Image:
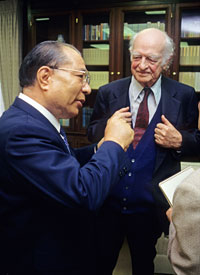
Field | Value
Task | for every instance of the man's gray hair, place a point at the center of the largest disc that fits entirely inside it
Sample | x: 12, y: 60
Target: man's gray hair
x: 46, y: 53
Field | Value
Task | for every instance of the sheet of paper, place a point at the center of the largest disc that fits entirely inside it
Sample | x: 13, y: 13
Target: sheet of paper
x: 169, y: 185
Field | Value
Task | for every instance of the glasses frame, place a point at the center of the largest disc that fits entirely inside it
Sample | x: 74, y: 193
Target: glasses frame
x: 85, y: 80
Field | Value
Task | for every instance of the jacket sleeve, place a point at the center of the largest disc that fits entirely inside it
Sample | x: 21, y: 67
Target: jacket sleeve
x: 84, y: 154
x: 36, y: 159
x: 190, y: 133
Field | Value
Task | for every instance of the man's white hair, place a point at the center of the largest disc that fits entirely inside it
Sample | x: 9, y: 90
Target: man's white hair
x: 168, y: 51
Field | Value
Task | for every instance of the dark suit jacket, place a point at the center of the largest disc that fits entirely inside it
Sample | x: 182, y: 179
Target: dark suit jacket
x: 44, y: 193
x: 179, y: 105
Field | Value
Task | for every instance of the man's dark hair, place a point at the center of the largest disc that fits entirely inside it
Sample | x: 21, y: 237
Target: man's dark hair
x: 47, y: 53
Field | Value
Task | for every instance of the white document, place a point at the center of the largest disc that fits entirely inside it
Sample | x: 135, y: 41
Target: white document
x: 169, y: 185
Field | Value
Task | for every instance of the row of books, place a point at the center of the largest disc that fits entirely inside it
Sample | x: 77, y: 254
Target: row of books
x: 190, y: 55
x: 94, y: 56
x: 96, y: 32
x: 64, y: 122
x: 86, y: 114
x: 190, y: 78
x: 185, y: 34
x: 98, y: 78
x: 132, y: 29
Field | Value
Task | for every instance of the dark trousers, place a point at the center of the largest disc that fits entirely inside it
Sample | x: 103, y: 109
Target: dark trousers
x: 81, y: 263
x: 141, y: 230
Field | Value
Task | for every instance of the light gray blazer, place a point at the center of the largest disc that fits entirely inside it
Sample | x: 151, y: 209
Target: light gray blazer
x: 184, y: 236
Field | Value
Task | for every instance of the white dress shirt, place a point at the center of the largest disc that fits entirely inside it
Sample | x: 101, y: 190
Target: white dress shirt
x: 136, y: 95
x: 42, y: 110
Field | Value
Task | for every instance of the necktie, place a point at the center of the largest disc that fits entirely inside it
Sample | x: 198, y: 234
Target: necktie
x: 142, y: 119
x: 62, y: 133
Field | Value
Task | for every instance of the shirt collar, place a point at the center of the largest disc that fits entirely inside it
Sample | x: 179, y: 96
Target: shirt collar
x: 42, y: 110
x: 137, y: 88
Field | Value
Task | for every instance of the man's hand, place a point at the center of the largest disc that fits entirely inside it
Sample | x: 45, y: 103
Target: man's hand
x: 169, y: 214
x: 118, y: 128
x: 166, y: 135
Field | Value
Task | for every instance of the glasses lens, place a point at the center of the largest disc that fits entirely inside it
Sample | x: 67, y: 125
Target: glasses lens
x: 87, y: 78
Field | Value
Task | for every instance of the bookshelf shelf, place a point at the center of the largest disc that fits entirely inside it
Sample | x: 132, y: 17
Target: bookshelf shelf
x: 96, y: 41
x: 98, y: 67
x: 191, y: 39
x: 96, y: 53
x: 187, y: 68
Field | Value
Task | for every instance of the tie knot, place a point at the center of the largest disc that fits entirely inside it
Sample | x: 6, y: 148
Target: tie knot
x: 147, y: 91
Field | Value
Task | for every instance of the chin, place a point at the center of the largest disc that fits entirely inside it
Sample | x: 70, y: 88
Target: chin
x: 74, y: 113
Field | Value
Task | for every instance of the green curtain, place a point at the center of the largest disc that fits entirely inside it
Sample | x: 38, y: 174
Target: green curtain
x: 10, y: 48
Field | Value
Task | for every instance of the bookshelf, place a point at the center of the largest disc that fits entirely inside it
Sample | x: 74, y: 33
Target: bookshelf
x: 95, y: 29
x: 96, y: 46
x: 188, y: 44
x: 51, y: 27
x: 102, y: 33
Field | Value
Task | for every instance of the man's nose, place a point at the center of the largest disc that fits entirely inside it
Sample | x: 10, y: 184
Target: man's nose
x: 143, y: 63
x: 86, y: 89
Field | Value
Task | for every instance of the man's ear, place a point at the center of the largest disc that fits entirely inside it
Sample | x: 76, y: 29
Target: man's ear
x: 167, y: 64
x: 44, y: 77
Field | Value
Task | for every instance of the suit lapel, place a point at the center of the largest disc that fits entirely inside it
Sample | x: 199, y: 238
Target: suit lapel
x: 170, y: 105
x: 170, y: 108
x: 21, y: 104
x: 121, y: 96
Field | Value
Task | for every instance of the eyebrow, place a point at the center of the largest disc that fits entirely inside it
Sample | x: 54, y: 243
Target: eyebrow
x: 148, y: 56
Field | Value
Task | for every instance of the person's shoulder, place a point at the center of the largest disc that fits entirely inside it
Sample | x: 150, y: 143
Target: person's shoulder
x: 175, y: 83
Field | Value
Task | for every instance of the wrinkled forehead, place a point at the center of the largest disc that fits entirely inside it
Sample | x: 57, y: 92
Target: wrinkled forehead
x: 149, y: 43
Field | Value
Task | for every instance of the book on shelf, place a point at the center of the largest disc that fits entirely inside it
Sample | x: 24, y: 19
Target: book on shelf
x: 169, y: 185
x: 190, y: 55
x: 94, y: 56
x: 96, y: 32
x: 98, y: 78
x: 64, y: 122
x: 86, y: 114
x: 132, y: 29
x: 187, y: 34
x: 191, y: 79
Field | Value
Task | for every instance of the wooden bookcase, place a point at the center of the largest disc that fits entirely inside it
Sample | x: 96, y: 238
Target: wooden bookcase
x: 102, y: 35
x: 187, y: 39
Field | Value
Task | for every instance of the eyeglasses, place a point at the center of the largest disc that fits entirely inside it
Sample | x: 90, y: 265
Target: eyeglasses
x: 85, y: 74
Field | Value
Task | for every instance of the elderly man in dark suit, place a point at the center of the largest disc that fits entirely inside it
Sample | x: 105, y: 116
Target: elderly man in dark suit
x: 164, y: 115
x: 46, y: 187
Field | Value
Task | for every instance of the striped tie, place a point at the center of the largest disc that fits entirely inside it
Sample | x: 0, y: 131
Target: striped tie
x: 62, y: 133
